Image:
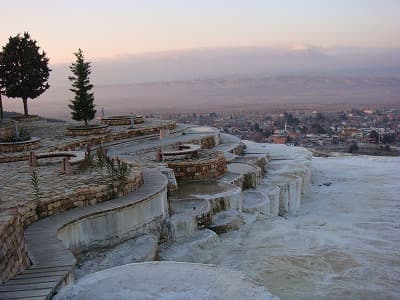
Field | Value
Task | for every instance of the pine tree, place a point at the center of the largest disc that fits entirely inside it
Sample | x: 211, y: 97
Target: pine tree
x: 24, y: 70
x: 82, y: 105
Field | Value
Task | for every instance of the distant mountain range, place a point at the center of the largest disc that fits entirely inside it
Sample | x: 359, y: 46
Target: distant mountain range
x: 239, y: 62
x: 253, y: 78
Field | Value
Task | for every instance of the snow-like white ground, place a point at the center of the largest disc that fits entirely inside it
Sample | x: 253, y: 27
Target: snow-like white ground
x: 343, y: 244
x: 165, y: 280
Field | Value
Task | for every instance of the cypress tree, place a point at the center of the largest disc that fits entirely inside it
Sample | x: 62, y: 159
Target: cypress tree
x: 82, y: 105
x: 24, y: 70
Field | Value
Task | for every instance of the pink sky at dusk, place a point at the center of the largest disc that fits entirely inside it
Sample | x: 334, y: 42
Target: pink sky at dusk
x: 106, y: 29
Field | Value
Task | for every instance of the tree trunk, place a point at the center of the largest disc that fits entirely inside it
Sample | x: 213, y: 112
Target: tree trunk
x: 1, y: 109
x: 25, y: 100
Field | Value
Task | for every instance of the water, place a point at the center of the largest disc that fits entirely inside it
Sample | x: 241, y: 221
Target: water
x: 342, y: 244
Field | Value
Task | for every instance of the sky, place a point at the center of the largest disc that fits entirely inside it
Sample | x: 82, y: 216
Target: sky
x: 107, y: 29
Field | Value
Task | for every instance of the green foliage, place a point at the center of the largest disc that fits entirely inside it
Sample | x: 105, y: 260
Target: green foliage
x: 24, y: 70
x: 291, y: 120
x: 389, y: 138
x: 35, y: 185
x: 35, y: 182
x: 82, y: 105
x: 122, y: 170
x: 101, y: 157
x: 116, y: 169
x: 88, y: 162
x: 267, y: 133
x: 317, y: 128
x: 353, y: 147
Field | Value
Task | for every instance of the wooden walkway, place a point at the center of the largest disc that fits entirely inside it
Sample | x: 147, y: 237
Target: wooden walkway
x: 52, y: 263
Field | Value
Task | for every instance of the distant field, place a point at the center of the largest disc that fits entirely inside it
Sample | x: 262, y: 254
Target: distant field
x: 233, y: 94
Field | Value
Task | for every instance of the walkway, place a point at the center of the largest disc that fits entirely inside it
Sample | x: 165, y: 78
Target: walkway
x: 52, y: 263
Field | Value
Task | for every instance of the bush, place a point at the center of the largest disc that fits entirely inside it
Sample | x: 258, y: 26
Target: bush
x: 117, y: 170
x: 353, y: 148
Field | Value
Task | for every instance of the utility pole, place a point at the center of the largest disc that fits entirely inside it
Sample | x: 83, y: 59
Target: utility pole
x: 379, y: 137
x: 161, y: 144
x: 1, y: 109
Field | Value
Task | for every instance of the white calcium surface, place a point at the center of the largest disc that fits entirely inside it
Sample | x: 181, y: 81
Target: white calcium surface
x: 343, y: 243
x: 165, y: 280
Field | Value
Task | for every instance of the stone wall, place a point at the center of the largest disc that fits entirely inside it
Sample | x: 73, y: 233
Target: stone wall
x: 207, y: 142
x: 7, y: 132
x: 96, y: 140
x: 13, y: 252
x: 88, y: 131
x: 79, y: 198
x: 238, y: 149
x: 32, y: 144
x: 30, y: 118
x: 129, y: 133
x: 210, y: 168
x: 123, y: 120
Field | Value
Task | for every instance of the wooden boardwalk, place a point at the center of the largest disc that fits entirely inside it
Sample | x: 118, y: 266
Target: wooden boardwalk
x: 52, y: 263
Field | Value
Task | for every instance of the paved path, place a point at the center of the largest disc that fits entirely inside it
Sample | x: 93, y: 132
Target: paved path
x: 53, y: 264
x: 140, y: 139
x: 142, y: 146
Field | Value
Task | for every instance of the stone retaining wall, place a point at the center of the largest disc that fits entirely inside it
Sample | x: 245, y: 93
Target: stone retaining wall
x: 13, y: 252
x: 97, y: 140
x: 130, y: 133
x: 7, y: 132
x: 30, y: 118
x: 79, y: 198
x: 89, y: 131
x: 207, y: 142
x: 214, y: 167
x: 238, y: 149
x: 20, y: 146
x: 124, y: 120
x: 13, y: 255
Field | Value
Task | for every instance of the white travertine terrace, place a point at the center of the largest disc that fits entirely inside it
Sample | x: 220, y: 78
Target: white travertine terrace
x: 150, y: 281
x: 266, y: 182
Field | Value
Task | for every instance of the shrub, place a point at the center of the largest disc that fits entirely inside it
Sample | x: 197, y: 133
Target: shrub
x: 353, y: 147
